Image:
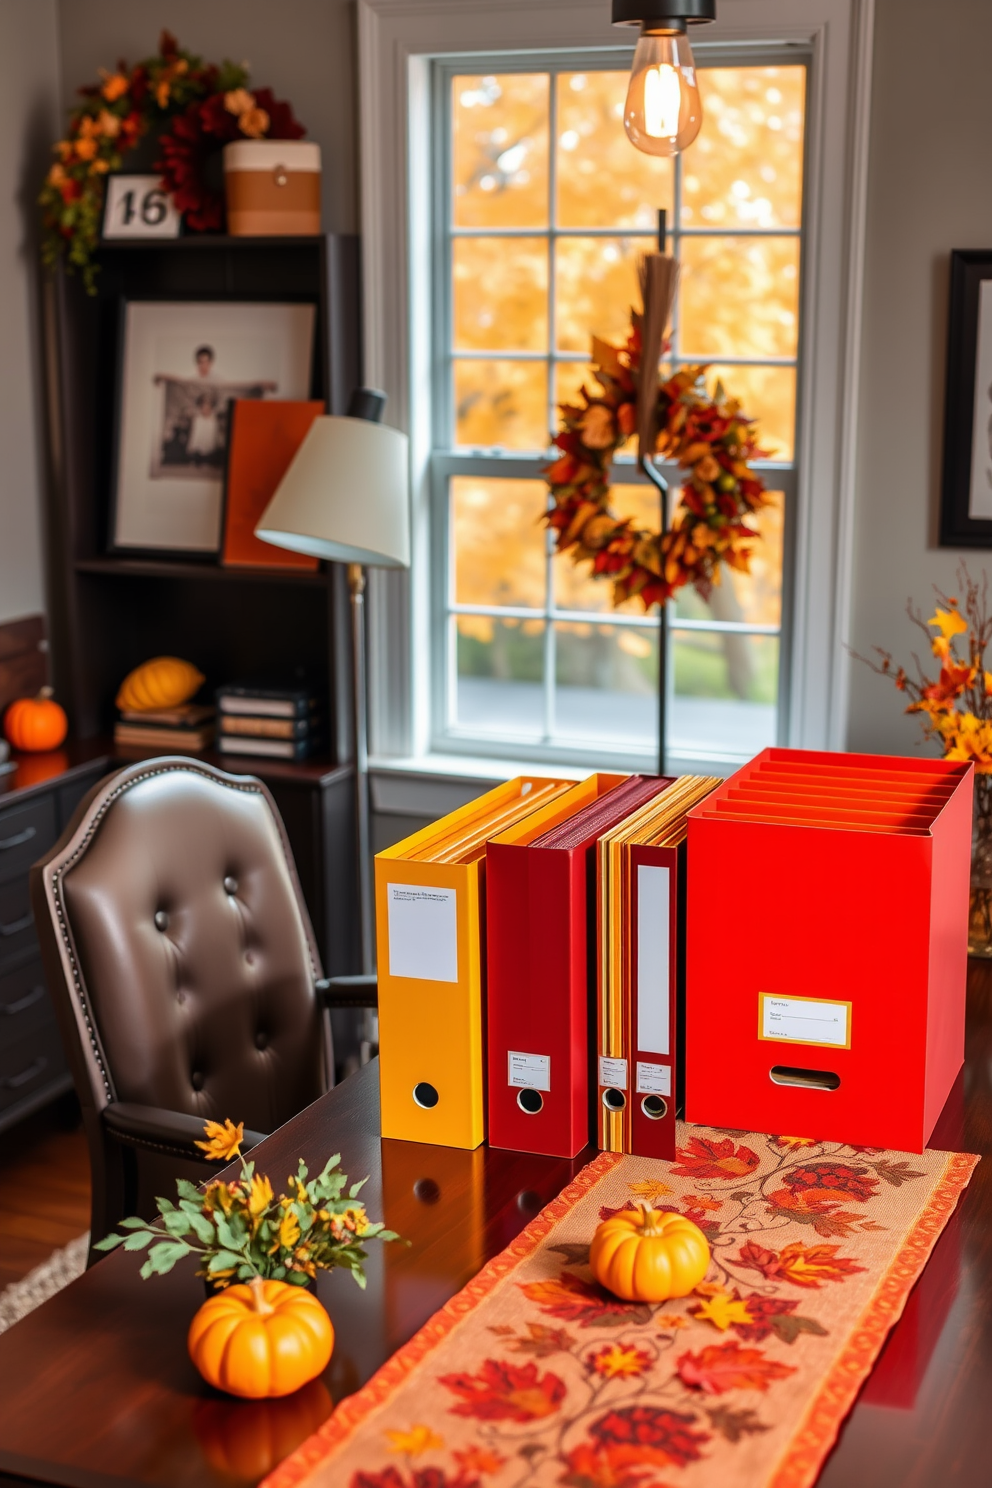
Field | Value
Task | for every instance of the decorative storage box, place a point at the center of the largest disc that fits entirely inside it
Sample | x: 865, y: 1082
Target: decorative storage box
x: 827, y: 946
x: 272, y: 188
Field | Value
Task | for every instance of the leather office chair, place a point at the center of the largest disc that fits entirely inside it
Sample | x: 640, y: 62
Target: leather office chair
x: 185, y: 974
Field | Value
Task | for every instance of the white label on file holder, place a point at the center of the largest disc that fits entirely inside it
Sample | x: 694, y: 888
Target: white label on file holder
x: 423, y: 932
x: 654, y: 1079
x: 653, y: 957
x: 613, y: 1072
x: 806, y: 1020
x: 530, y: 1071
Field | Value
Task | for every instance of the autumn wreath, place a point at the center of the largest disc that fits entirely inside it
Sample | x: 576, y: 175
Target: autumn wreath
x: 195, y: 107
x: 710, y: 439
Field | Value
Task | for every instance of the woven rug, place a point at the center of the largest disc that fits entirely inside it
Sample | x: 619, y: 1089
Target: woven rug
x: 62, y: 1266
x: 532, y: 1375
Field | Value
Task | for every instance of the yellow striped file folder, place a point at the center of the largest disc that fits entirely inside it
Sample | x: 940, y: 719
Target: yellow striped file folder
x: 429, y: 892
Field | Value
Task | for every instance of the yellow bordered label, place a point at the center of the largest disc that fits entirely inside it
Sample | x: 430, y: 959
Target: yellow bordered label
x: 819, y: 1021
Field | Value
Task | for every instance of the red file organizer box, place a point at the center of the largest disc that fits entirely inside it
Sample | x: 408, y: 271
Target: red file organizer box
x: 827, y: 946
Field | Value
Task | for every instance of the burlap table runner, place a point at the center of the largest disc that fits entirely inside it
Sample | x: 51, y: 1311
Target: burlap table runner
x: 533, y: 1376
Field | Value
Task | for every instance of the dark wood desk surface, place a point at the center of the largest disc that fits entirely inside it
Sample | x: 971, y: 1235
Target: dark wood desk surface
x: 96, y: 1388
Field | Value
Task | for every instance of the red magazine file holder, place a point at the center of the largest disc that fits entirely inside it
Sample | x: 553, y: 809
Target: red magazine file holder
x: 827, y: 938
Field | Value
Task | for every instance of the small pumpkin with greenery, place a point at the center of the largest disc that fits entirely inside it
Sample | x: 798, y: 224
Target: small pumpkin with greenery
x: 242, y: 1230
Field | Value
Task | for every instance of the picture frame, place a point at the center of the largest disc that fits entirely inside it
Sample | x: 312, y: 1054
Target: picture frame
x: 181, y: 365
x: 966, y: 487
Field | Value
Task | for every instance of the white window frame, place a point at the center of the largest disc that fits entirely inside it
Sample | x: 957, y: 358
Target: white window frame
x: 398, y: 39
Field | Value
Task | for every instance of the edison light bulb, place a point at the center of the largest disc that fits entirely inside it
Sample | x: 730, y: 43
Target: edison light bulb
x: 663, y: 112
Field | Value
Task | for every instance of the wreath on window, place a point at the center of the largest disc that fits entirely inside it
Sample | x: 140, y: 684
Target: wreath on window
x: 709, y: 438
x: 195, y: 107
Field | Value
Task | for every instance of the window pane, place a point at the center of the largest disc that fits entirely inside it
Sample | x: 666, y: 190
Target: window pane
x: 500, y: 668
x: 725, y: 691
x: 755, y: 597
x: 500, y: 294
x: 501, y: 404
x: 498, y: 542
x: 575, y: 588
x: 767, y: 394
x: 596, y: 285
x: 607, y: 684
x: 602, y: 180
x: 746, y: 168
x: 739, y: 297
x: 500, y: 150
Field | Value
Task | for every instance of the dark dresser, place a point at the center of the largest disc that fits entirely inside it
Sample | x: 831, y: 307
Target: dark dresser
x: 35, y: 806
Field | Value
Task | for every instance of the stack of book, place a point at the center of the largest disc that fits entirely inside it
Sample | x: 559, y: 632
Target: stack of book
x: 185, y: 729
x: 277, y: 722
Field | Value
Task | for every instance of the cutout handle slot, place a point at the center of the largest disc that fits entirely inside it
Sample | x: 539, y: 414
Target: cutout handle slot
x: 806, y: 1079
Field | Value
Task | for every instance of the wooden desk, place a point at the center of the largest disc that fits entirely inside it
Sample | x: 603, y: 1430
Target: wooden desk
x: 96, y: 1388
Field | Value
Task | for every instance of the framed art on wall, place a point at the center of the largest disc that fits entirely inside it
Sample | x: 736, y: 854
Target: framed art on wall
x: 181, y: 368
x: 966, y: 493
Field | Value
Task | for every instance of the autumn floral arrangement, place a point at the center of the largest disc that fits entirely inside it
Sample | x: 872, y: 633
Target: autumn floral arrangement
x: 243, y: 1232
x: 955, y: 710
x: 710, y: 439
x: 194, y: 107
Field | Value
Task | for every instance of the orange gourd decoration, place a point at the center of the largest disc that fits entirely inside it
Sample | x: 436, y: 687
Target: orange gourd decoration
x: 261, y: 1340
x: 36, y: 724
x: 649, y: 1255
x: 163, y: 682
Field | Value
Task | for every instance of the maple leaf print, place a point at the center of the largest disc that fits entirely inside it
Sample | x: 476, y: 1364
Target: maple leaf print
x: 605, y: 1212
x: 624, y: 1441
x: 649, y: 1189
x: 896, y: 1173
x: 720, y: 1367
x: 733, y: 1424
x: 814, y: 1207
x: 542, y: 1341
x: 704, y: 1202
x: 411, y: 1443
x: 722, y: 1310
x: 618, y: 1360
x: 421, y: 1477
x: 789, y: 1142
x: 576, y: 1301
x: 500, y: 1391
x: 704, y: 1158
x: 479, y: 1459
x: 812, y: 1265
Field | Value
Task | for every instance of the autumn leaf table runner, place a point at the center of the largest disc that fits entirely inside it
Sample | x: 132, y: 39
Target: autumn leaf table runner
x: 533, y: 1375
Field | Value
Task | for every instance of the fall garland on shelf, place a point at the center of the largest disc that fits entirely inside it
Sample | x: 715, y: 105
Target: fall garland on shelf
x: 711, y: 440
x: 195, y: 107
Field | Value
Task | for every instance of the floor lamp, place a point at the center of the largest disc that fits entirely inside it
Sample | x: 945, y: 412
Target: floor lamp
x: 345, y: 498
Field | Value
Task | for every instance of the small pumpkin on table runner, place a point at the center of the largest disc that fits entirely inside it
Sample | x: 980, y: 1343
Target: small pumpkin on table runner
x: 649, y: 1255
x: 265, y: 1335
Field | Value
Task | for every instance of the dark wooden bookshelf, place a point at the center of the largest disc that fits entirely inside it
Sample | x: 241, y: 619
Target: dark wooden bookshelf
x: 110, y: 611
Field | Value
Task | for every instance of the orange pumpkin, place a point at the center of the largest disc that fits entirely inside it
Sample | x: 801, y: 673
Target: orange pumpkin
x: 36, y: 724
x: 649, y: 1255
x: 247, y: 1441
x: 261, y: 1340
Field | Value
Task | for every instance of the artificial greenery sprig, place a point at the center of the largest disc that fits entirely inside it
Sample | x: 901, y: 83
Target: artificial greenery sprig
x: 241, y: 1230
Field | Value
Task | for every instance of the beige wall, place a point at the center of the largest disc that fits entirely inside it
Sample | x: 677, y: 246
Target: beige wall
x: 303, y: 49
x: 930, y: 190
x: 28, y: 119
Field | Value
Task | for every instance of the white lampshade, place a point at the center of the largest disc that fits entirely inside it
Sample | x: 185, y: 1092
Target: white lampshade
x: 345, y: 496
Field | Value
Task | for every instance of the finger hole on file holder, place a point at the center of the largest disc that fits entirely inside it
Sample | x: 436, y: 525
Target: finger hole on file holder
x: 614, y: 1100
x: 654, y: 1107
x: 425, y: 1095
x: 805, y: 1079
x: 530, y: 1101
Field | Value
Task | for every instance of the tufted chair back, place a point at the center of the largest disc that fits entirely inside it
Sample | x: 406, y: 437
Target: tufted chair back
x: 180, y: 952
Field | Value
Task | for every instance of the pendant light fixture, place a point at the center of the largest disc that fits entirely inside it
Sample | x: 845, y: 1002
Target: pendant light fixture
x: 663, y: 112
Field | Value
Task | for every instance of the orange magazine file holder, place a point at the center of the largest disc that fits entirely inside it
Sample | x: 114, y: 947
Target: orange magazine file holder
x: 265, y: 435
x: 827, y: 943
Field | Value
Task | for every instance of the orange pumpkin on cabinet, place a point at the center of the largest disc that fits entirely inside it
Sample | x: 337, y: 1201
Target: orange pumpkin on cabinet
x: 36, y: 724
x: 261, y: 1340
x: 649, y: 1255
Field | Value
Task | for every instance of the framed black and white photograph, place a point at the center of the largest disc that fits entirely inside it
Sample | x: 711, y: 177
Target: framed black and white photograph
x: 966, y: 493
x: 182, y: 366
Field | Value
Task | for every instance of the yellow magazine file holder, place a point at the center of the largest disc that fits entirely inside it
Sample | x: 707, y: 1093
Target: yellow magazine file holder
x: 429, y: 891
